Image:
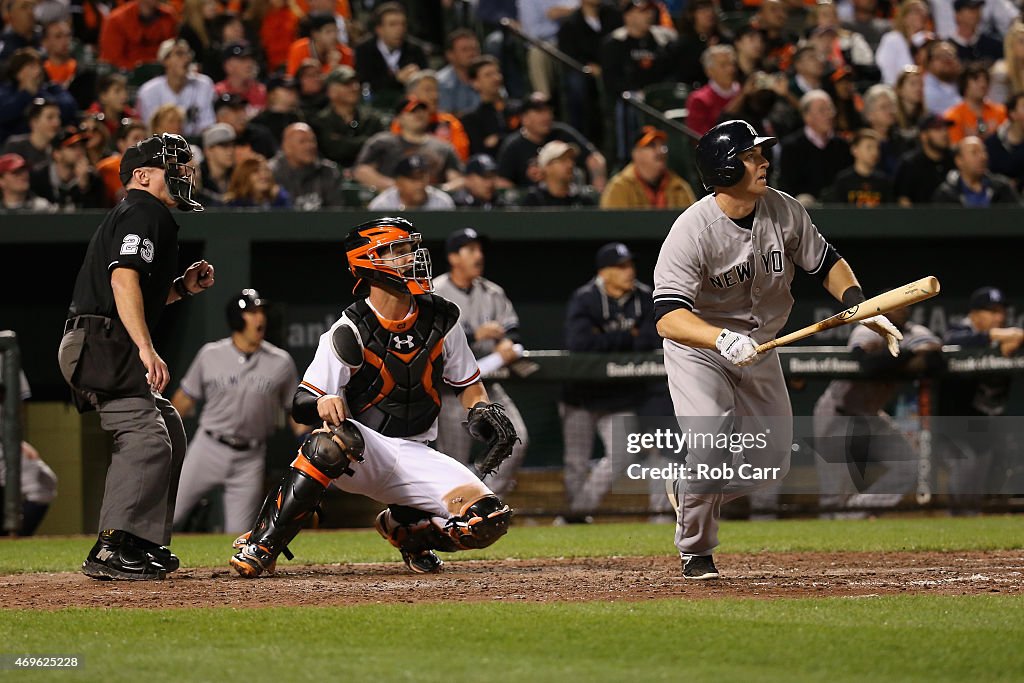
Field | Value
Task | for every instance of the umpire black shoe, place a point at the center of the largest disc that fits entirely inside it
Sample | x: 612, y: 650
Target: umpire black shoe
x: 114, y: 556
x: 161, y: 554
x: 699, y: 567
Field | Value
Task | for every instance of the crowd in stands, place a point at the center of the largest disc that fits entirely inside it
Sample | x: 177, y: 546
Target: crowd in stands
x: 309, y: 104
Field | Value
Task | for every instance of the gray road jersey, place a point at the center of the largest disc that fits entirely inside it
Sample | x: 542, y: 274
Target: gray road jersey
x: 735, y: 278
x: 484, y: 302
x: 243, y: 397
x: 861, y: 397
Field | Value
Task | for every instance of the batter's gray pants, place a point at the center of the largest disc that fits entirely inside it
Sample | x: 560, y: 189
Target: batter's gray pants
x: 705, y: 385
x: 210, y: 463
x: 453, y: 439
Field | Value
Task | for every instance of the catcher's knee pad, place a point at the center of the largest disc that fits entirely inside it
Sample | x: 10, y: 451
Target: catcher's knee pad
x: 330, y: 452
x: 483, y: 523
x: 412, y: 534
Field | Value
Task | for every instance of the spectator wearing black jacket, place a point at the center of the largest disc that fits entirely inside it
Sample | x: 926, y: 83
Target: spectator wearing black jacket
x: 386, y: 60
x: 976, y: 455
x: 971, y: 184
x: 580, y: 37
x: 814, y: 156
x: 611, y: 313
x: 921, y: 171
x: 492, y: 120
x: 69, y: 181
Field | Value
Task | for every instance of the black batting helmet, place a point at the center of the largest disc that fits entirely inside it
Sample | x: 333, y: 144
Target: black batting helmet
x: 718, y: 152
x: 245, y: 300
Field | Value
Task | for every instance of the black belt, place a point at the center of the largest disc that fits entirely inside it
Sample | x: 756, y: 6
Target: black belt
x: 235, y: 443
x: 81, y: 321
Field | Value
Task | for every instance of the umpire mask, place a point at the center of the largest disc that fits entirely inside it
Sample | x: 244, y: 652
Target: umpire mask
x: 171, y: 153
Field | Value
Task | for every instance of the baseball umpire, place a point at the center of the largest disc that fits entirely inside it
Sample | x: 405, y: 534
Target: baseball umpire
x: 722, y: 282
x: 244, y: 382
x: 373, y: 385
x: 108, y: 359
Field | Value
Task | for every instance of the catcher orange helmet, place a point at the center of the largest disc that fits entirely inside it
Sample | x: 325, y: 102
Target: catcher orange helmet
x: 387, y: 251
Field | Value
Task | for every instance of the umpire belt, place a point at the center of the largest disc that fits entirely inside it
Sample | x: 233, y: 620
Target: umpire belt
x: 88, y: 321
x: 235, y: 443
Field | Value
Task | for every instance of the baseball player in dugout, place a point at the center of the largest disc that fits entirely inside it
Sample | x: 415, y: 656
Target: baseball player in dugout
x: 108, y: 359
x: 722, y: 287
x: 491, y: 325
x: 373, y: 389
x: 245, y: 384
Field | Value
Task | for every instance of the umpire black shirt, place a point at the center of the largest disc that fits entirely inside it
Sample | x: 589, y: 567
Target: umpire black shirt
x: 139, y: 233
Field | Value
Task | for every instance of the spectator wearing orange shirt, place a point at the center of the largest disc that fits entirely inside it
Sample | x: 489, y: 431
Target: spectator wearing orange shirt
x: 128, y: 134
x: 60, y: 66
x: 322, y: 46
x: 132, y: 33
x: 423, y: 86
x: 975, y: 114
x: 279, y: 26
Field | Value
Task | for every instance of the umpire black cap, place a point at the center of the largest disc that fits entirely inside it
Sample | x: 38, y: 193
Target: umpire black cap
x: 246, y: 300
x: 718, y: 152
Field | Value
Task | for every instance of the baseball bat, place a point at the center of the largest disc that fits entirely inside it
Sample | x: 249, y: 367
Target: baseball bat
x: 908, y: 294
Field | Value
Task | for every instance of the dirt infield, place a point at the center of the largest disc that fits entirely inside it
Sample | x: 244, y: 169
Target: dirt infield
x: 767, y: 575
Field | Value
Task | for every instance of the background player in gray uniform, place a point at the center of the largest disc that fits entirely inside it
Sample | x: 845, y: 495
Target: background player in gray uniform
x: 852, y: 429
x: 722, y: 286
x: 492, y: 328
x: 246, y: 386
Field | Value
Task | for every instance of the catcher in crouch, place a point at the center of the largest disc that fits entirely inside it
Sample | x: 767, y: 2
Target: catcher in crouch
x: 372, y: 386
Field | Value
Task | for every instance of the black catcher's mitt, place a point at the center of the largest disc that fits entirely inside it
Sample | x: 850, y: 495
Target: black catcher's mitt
x: 487, y: 422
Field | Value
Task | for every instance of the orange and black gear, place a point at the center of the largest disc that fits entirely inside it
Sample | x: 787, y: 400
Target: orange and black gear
x: 374, y: 255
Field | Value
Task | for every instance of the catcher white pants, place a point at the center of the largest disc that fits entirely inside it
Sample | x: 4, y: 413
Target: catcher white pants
x: 401, y: 472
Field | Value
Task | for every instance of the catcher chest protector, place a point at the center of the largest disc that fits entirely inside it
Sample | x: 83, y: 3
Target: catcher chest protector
x: 394, y: 391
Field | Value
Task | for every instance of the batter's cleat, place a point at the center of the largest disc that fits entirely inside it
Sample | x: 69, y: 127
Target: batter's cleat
x: 114, y: 556
x: 699, y: 567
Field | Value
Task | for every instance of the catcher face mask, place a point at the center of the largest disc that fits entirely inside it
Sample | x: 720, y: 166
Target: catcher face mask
x: 407, y: 260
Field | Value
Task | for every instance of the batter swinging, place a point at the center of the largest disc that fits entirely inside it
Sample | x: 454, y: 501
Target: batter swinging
x: 722, y: 286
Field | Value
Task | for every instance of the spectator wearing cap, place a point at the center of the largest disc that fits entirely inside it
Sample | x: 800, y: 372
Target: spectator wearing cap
x: 218, y: 163
x: 343, y: 126
x: 699, y: 30
x: 556, y: 162
x: 133, y: 33
x: 480, y: 185
x: 862, y: 185
x: 310, y: 85
x: 1006, y: 147
x: 112, y: 102
x: 519, y: 150
x: 894, y: 52
x: 455, y: 87
x: 812, y: 157
x: 250, y: 136
x: 15, y: 194
x: 922, y: 170
x: 386, y: 59
x: 282, y: 109
x: 492, y: 120
x: 128, y: 135
x: 707, y: 103
x: 69, y: 181
x: 24, y: 87
x: 253, y: 186
x: 580, y: 37
x: 613, y: 312
x: 322, y: 46
x: 411, y: 190
x: 647, y: 182
x: 864, y: 19
x: 443, y: 125
x: 20, y: 30
x: 975, y: 114
x: 972, y: 43
x: 975, y: 465
x: 179, y: 85
x: 379, y: 158
x: 240, y: 71
x: 971, y: 184
x: 749, y: 45
x: 849, y: 103
x: 313, y: 183
x: 44, y: 125
x: 942, y: 68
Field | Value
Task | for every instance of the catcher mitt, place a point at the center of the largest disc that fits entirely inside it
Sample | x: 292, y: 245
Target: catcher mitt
x: 488, y: 423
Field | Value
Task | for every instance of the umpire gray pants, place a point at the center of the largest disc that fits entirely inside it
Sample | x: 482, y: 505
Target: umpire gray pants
x: 453, y: 440
x: 705, y: 385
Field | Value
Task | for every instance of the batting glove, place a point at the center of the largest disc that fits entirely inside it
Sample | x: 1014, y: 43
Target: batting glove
x: 881, y: 325
x: 738, y: 349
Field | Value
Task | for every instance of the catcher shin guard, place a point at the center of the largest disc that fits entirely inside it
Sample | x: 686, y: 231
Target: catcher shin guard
x: 483, y: 523
x: 324, y: 456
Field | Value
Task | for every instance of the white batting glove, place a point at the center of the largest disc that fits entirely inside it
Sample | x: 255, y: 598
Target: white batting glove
x: 738, y: 349
x: 881, y: 325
